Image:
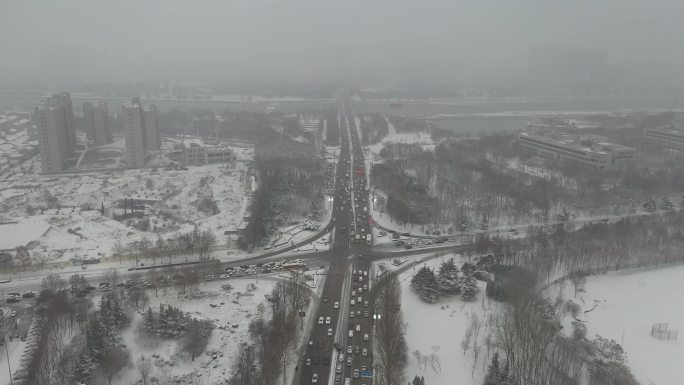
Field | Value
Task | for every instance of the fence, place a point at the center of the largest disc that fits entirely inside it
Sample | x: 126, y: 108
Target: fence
x: 660, y: 331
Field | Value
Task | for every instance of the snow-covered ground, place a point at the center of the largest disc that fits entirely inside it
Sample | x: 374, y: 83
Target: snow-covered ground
x: 624, y: 306
x: 69, y: 205
x: 232, y: 312
x: 436, y: 331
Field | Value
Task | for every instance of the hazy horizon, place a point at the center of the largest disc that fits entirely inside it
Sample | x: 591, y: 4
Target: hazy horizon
x: 630, y: 42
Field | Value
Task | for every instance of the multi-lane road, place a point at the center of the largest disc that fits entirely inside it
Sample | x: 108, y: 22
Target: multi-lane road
x: 339, y: 345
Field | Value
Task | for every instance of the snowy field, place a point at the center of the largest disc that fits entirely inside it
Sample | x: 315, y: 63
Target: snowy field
x: 231, y: 311
x: 69, y: 206
x: 436, y: 331
x: 624, y: 307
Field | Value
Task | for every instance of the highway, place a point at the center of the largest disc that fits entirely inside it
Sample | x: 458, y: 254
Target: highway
x: 340, y: 343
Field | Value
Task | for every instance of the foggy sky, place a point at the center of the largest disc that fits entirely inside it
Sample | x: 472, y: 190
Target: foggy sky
x: 224, y: 40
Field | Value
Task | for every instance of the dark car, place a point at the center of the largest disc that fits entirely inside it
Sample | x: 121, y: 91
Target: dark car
x: 326, y: 361
x: 29, y: 294
x: 315, y: 360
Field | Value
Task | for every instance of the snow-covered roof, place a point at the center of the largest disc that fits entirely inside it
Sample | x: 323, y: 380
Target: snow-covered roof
x: 195, y: 142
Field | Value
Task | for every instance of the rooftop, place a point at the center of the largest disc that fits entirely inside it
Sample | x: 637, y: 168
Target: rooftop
x: 195, y: 142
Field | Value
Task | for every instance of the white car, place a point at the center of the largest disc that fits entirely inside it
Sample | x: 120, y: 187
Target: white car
x: 365, y: 337
x: 351, y: 314
x: 364, y: 352
x: 358, y: 327
x: 330, y: 332
x: 314, y: 379
x: 353, y: 302
x: 365, y: 303
x: 327, y: 320
x: 336, y: 305
x: 321, y: 320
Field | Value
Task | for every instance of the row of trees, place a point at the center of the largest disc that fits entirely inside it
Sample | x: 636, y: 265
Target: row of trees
x: 292, y: 184
x: 196, y: 242
x: 598, y: 247
x: 73, y: 343
x: 528, y: 332
x: 448, y: 281
x: 78, y: 345
x: 390, y: 330
x: 374, y: 128
x: 171, y: 322
x: 408, y: 200
x: 273, y: 340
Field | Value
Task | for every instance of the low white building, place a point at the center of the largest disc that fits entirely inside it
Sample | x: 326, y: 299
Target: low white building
x: 602, y: 156
x: 668, y: 137
x: 197, y: 153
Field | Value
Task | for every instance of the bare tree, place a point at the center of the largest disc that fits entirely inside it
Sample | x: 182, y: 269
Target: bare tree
x: 22, y: 257
x: 113, y: 362
x: 119, y: 249
x: 578, y: 280
x: 52, y: 283
x: 297, y: 294
x: 155, y: 279
x: 112, y: 277
x: 206, y: 240
x: 144, y: 366
x: 190, y: 279
x: 137, y: 297
x: 245, y: 366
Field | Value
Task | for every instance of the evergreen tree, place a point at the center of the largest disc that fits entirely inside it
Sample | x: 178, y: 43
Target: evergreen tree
x: 468, y: 287
x: 447, y: 279
x: 425, y: 284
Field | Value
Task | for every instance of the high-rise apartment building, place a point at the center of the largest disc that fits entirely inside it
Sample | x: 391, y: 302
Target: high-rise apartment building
x: 96, y: 119
x: 62, y: 103
x: 151, y: 120
x: 54, y: 120
x: 141, y: 132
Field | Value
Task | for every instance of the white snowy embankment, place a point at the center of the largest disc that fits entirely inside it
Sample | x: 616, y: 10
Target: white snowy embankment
x: 623, y: 307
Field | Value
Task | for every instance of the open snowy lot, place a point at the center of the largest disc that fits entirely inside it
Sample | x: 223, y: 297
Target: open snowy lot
x: 434, y: 333
x: 625, y: 307
x: 213, y: 197
x: 231, y: 311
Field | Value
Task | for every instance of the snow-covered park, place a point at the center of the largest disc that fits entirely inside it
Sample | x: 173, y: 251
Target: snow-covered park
x: 624, y: 307
x: 435, y: 332
x: 230, y: 310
